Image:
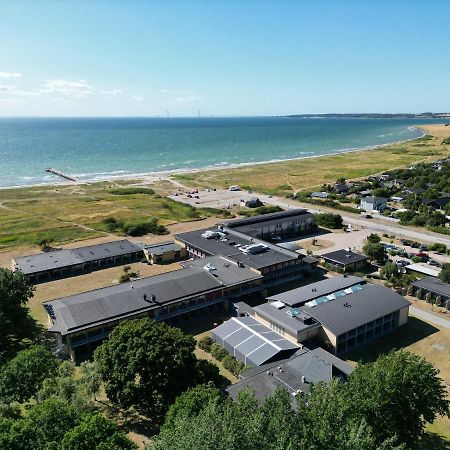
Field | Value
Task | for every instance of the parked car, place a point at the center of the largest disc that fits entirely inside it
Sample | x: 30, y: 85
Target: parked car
x: 422, y: 255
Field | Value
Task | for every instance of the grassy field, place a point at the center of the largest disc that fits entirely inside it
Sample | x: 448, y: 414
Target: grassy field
x: 68, y: 213
x: 432, y: 343
x: 287, y: 177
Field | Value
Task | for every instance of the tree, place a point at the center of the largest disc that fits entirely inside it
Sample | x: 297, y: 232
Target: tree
x: 373, y: 238
x: 191, y: 402
x: 15, y: 322
x: 44, y: 243
x: 23, y: 376
x: 381, y: 192
x: 397, y: 395
x: 96, y: 432
x: 146, y: 365
x: 445, y: 273
x: 45, y: 424
x: 389, y: 271
x: 374, y: 251
x: 329, y: 220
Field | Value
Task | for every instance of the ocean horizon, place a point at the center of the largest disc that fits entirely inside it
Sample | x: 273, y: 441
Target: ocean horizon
x: 94, y: 149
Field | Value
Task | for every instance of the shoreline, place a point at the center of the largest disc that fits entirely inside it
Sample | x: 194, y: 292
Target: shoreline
x: 150, y: 177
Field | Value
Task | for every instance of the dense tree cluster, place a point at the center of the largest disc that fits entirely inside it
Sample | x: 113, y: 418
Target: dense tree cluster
x: 147, y: 364
x: 384, y: 405
x: 57, y: 410
x: 329, y: 220
x: 17, y: 327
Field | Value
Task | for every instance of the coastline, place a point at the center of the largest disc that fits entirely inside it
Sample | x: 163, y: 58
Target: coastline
x: 150, y: 177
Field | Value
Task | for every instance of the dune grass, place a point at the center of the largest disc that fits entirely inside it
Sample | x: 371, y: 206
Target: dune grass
x: 286, y: 177
x: 72, y: 212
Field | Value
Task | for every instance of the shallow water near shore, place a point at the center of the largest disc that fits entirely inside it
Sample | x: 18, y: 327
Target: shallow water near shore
x: 91, y: 149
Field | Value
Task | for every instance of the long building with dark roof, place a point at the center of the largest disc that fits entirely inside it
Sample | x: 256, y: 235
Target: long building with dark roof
x: 62, y: 263
x: 82, y: 321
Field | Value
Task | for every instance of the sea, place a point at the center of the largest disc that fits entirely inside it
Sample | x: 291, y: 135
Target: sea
x: 92, y: 149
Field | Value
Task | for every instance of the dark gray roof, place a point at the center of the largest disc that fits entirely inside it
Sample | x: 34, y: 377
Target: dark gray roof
x: 344, y: 257
x: 440, y: 202
x: 287, y: 374
x: 267, y: 219
x: 353, y: 310
x: 227, y: 271
x: 230, y: 249
x: 315, y: 290
x: 250, y: 225
x: 434, y: 285
x: 104, y: 305
x: 161, y: 247
x: 57, y: 259
x: 292, y: 324
x: 251, y: 342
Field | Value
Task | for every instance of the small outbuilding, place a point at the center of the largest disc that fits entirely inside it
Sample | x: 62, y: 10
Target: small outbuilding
x: 345, y: 260
x: 164, y: 252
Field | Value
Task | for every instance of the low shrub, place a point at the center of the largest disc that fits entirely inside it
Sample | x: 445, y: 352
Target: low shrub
x: 205, y: 343
x: 218, y: 352
x: 132, y: 190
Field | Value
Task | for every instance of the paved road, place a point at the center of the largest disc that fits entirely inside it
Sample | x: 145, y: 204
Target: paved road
x: 432, y: 318
x: 377, y: 225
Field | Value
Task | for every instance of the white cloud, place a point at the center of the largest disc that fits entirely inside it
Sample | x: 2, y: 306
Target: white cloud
x: 10, y: 75
x: 75, y: 89
x: 177, y: 92
x: 112, y: 92
x: 7, y: 88
x: 137, y: 98
x: 188, y: 100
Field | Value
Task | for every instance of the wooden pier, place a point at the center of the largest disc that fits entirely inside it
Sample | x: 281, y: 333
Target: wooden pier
x: 60, y: 174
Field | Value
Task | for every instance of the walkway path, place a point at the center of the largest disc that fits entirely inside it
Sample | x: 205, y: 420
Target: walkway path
x: 432, y: 318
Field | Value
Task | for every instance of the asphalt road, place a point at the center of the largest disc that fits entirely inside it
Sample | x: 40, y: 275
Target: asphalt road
x: 377, y: 225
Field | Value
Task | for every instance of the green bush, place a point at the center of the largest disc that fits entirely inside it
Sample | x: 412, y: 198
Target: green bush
x: 218, y: 352
x: 132, y: 190
x: 329, y: 220
x: 231, y: 364
x: 205, y: 343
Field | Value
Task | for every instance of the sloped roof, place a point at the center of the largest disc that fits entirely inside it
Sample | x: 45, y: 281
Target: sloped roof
x: 251, y: 342
x: 57, y: 259
x: 315, y: 290
x: 353, y: 310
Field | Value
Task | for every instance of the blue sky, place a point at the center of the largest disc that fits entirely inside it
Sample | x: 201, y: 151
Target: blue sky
x: 142, y: 58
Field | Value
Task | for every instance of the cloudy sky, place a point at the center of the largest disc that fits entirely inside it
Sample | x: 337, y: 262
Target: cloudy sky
x: 147, y: 58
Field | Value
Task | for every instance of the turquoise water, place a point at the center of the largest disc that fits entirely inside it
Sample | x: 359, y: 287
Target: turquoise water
x: 98, y: 148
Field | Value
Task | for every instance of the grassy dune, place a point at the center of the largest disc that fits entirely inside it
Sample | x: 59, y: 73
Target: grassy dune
x: 72, y: 212
x: 286, y: 177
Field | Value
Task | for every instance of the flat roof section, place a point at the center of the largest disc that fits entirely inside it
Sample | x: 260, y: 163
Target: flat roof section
x: 353, y: 310
x: 292, y: 323
x: 251, y: 342
x: 344, y: 257
x: 229, y: 247
x: 161, y: 247
x: 315, y: 290
x: 249, y: 225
